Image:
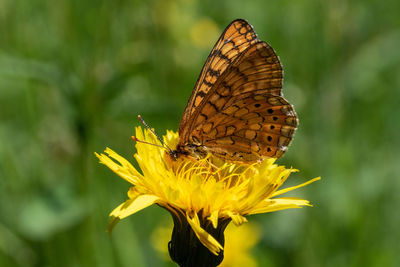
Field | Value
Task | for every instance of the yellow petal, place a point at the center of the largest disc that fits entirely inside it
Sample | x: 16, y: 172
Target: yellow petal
x: 214, y: 218
x: 132, y: 206
x: 237, y: 219
x: 205, y: 238
x: 270, y: 205
x: 124, y: 169
x: 295, y: 187
x: 133, y: 192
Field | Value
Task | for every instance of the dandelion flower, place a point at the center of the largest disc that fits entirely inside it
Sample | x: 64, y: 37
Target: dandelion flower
x: 202, y: 196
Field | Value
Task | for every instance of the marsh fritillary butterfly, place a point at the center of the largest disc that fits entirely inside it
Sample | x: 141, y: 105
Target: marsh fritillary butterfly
x: 236, y: 110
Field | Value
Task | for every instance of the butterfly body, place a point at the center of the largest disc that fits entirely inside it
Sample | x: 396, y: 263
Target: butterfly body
x: 189, y: 150
x: 236, y: 110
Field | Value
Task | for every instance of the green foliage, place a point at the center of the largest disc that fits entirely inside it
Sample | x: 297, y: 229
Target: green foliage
x: 75, y: 74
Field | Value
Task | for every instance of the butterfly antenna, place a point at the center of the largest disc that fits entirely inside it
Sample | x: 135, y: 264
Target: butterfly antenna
x: 151, y: 130
x: 144, y: 142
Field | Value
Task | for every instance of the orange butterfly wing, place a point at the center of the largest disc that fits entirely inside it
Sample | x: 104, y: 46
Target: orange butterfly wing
x: 241, y: 114
x: 244, y: 117
x: 237, y: 37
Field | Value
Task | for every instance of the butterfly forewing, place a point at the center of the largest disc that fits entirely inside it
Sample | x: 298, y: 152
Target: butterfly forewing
x: 236, y: 110
x: 237, y: 37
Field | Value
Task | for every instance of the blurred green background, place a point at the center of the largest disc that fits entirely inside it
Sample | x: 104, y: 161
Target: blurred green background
x: 75, y: 74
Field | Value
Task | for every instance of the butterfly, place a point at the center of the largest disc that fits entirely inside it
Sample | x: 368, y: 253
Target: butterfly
x: 236, y: 110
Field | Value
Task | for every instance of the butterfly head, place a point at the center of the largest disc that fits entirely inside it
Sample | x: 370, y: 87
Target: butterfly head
x: 189, y: 150
x: 173, y: 154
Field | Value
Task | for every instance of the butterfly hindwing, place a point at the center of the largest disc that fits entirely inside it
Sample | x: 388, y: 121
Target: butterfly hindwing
x: 254, y: 127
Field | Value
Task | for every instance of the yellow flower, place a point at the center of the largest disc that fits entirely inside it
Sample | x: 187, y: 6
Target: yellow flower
x: 202, y: 196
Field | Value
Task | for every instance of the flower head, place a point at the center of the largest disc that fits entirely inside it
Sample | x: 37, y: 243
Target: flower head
x: 203, y: 196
